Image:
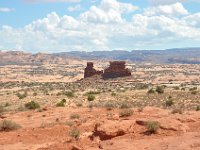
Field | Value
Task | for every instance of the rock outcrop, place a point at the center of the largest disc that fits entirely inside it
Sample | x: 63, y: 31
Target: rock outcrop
x: 90, y: 71
x: 116, y: 69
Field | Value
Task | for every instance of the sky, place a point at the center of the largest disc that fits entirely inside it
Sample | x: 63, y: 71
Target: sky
x: 96, y: 25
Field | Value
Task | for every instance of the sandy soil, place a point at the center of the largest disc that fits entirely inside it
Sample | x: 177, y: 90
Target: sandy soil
x: 49, y: 129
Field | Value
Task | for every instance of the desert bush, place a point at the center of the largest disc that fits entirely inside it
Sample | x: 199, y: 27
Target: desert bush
x: 8, y: 125
x: 70, y: 94
x: 126, y: 113
x: 22, y: 95
x: 79, y: 104
x: 177, y: 111
x: 58, y: 94
x: 110, y: 105
x: 113, y: 94
x: 198, y: 108
x: 74, y: 116
x: 75, y: 133
x: 152, y: 126
x: 125, y: 105
x: 176, y: 88
x: 2, y: 109
x: 160, y: 89
x: 7, y: 104
x: 21, y: 108
x: 61, y: 103
x: 151, y: 91
x: 91, y: 97
x: 35, y: 94
x: 193, y: 89
x: 193, y: 92
x: 32, y: 105
x: 140, y: 109
x: 69, y: 123
x: 169, y: 102
x: 92, y: 93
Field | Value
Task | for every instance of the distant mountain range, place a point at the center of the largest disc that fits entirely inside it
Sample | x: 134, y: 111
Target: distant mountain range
x: 169, y: 56
x: 181, y: 55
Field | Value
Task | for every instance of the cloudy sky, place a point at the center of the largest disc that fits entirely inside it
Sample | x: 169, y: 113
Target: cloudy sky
x: 88, y: 25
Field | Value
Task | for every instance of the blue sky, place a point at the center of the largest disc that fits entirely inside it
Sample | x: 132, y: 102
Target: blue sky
x: 88, y: 25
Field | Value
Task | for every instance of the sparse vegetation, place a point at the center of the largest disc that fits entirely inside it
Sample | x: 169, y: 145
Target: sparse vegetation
x: 91, y: 97
x: 70, y: 94
x: 151, y: 91
x: 177, y: 111
x: 152, y: 126
x: 69, y: 123
x: 8, y: 125
x: 198, y: 108
x: 113, y: 94
x: 126, y: 113
x: 61, y: 103
x: 32, y: 105
x: 75, y: 133
x: 74, y: 116
x: 160, y: 89
x: 125, y: 105
x: 169, y: 102
x: 22, y: 95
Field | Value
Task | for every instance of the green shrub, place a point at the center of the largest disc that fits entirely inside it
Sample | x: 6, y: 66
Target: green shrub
x: 8, y: 125
x: 75, y: 133
x: 126, y: 113
x: 69, y: 123
x: 34, y: 94
x: 125, y: 105
x: 176, y: 88
x: 110, y: 105
x: 22, y: 95
x: 169, y: 102
x: 92, y: 93
x: 32, y: 105
x: 160, y: 89
x: 61, y: 103
x: 74, y: 116
x: 113, y: 94
x: 2, y: 109
x: 91, y: 97
x: 177, y: 111
x: 7, y: 104
x: 193, y: 92
x: 198, y: 108
x: 152, y: 126
x: 193, y: 89
x: 79, y: 104
x: 70, y: 94
x: 151, y: 91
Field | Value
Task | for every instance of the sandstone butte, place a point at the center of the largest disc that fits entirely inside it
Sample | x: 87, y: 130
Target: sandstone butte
x: 116, y: 69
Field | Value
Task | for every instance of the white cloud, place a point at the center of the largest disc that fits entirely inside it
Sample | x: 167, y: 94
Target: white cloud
x: 108, y: 12
x: 176, y: 9
x: 51, y: 1
x: 165, y: 2
x: 105, y: 27
x: 7, y: 9
x: 169, y: 2
x: 74, y: 8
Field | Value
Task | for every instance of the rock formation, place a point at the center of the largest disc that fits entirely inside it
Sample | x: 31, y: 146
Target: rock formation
x: 90, y: 71
x: 116, y: 69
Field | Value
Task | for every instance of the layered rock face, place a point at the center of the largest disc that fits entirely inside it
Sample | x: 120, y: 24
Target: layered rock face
x: 116, y: 69
x: 90, y: 71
